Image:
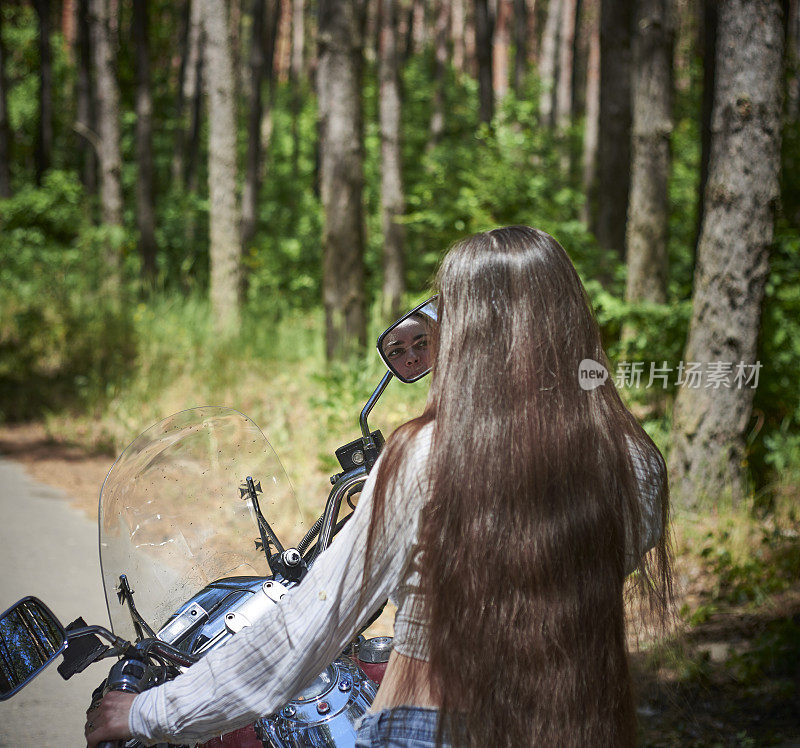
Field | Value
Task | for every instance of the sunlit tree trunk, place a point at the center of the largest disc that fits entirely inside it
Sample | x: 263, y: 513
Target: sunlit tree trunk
x: 458, y: 22
x: 224, y: 246
x: 590, y: 130
x: 707, y: 461
x: 392, y: 198
x: 44, y: 132
x: 145, y: 209
x: 484, y: 35
x: 548, y: 62
x: 5, y: 130
x: 341, y: 174
x: 566, y: 49
x: 109, y: 154
x: 648, y: 209
x: 500, y: 50
x: 614, y: 143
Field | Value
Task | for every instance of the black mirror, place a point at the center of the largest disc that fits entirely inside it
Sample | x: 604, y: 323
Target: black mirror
x: 405, y: 346
x: 31, y: 637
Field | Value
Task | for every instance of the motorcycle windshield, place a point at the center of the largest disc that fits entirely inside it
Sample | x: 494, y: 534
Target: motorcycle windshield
x: 172, y: 518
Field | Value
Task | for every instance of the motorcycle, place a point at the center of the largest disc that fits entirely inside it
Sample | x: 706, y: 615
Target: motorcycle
x: 180, y: 579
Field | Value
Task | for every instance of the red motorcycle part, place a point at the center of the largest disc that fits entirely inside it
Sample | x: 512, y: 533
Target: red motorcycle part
x: 244, y: 737
x: 373, y: 670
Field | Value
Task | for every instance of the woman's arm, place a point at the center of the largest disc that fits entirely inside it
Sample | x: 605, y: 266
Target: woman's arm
x: 264, y: 665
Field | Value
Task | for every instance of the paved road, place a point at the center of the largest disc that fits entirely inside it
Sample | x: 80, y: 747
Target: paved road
x: 48, y: 549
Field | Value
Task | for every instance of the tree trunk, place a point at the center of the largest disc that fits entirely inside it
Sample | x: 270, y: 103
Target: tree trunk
x: 500, y: 50
x: 548, y: 62
x: 85, y: 110
x: 484, y: 33
x: 709, y: 54
x: 107, y: 116
x: 458, y: 23
x: 793, y: 59
x: 295, y: 74
x: 590, y: 131
x: 179, y: 149
x: 439, y: 72
x: 614, y: 151
x: 145, y: 209
x: 269, y: 40
x: 708, y: 456
x: 520, y: 43
x: 566, y: 47
x: 252, y: 181
x: 193, y: 86
x: 44, y: 132
x: 648, y: 210
x: 341, y: 175
x: 392, y: 199
x: 5, y: 130
x: 224, y: 247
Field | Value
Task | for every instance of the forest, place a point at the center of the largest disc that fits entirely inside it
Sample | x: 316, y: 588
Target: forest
x: 225, y: 202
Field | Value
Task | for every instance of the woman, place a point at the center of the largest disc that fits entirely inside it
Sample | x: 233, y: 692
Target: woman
x: 505, y: 519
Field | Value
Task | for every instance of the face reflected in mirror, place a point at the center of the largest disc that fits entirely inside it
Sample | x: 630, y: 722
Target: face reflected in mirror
x: 406, y: 347
x: 30, y: 638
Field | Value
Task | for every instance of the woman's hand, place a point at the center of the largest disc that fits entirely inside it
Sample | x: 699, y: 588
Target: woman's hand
x: 109, y: 721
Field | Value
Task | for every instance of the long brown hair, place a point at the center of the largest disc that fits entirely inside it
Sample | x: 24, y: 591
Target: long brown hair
x: 534, y: 500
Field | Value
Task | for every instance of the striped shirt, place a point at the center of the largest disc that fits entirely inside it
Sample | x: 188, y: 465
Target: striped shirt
x: 266, y: 664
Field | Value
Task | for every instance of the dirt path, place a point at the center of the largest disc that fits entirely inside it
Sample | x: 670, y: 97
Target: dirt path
x: 48, y: 548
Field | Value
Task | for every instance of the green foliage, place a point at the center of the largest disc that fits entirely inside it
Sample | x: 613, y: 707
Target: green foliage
x: 61, y: 337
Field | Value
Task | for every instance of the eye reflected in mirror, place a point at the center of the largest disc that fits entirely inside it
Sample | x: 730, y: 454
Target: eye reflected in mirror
x: 405, y: 346
x: 31, y: 637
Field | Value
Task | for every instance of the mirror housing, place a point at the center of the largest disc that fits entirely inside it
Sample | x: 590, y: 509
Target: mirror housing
x: 404, y: 346
x: 31, y: 637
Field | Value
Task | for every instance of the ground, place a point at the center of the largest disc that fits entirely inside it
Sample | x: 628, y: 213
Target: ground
x: 730, y: 676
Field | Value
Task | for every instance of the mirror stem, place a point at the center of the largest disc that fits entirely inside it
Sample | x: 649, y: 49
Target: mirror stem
x: 373, y: 398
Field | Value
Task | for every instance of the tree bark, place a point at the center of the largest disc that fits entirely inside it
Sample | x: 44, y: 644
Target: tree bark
x: 179, y: 150
x: 548, y: 62
x: 590, y: 131
x: 342, y: 174
x: 500, y: 50
x: 5, y: 130
x: 295, y: 74
x: 708, y: 457
x: 439, y: 72
x: 458, y: 22
x: 109, y: 154
x: 709, y: 54
x: 44, y: 132
x: 224, y: 247
x: 145, y: 207
x: 85, y: 114
x: 193, y: 87
x: 392, y: 196
x: 520, y: 43
x: 252, y: 181
x: 648, y: 210
x: 566, y: 47
x: 484, y: 33
x: 614, y: 151
x: 793, y: 58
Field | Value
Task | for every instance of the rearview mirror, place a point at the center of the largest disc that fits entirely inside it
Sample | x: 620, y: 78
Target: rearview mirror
x: 31, y: 637
x: 405, y: 346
